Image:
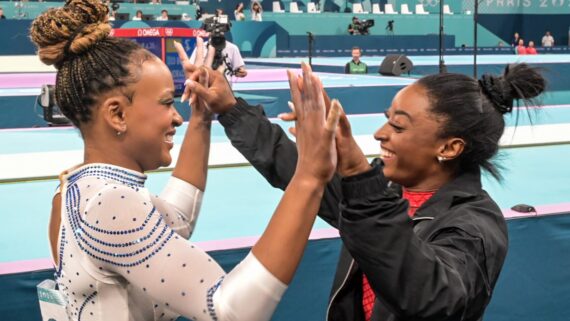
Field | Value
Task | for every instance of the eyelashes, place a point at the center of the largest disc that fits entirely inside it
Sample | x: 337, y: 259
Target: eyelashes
x: 397, y: 128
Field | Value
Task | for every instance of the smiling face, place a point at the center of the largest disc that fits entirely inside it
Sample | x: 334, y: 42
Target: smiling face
x: 151, y: 118
x: 409, y: 141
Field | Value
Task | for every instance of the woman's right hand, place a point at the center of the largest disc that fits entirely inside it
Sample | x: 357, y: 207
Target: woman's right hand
x: 315, y: 130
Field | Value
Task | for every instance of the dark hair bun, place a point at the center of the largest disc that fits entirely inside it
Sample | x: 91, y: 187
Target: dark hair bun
x: 70, y: 30
x: 519, y: 81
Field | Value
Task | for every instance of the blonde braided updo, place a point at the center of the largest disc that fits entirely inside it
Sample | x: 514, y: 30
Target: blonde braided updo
x: 75, y: 39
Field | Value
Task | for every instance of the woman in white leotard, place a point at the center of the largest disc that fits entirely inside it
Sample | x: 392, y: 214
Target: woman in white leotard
x: 121, y: 253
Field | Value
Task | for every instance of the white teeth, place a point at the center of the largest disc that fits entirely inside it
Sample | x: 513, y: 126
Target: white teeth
x: 386, y: 154
x: 169, y: 138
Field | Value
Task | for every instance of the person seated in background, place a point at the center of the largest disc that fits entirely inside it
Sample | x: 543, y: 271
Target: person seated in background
x: 138, y: 16
x: 515, y: 40
x: 548, y: 40
x: 355, y: 66
x: 163, y: 15
x: 531, y: 50
x: 520, y: 49
x: 256, y: 11
x: 238, y: 12
x: 353, y: 28
x: 2, y: 16
x: 112, y: 14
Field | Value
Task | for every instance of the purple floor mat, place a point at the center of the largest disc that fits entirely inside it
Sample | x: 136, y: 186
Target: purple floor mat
x: 259, y: 75
x: 31, y: 80
x: 36, y: 80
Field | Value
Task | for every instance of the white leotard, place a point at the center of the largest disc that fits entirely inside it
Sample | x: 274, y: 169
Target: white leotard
x: 124, y: 255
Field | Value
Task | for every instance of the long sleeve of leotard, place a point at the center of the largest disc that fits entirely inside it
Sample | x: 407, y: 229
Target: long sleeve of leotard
x: 123, y: 235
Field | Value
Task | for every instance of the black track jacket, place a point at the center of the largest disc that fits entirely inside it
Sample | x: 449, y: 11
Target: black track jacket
x: 440, y: 265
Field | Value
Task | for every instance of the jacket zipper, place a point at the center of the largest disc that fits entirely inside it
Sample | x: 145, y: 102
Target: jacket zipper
x: 339, y: 288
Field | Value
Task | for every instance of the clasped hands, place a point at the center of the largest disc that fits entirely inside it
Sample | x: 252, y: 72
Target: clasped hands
x: 323, y: 134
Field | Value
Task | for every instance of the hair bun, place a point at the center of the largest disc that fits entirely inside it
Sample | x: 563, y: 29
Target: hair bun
x: 495, y: 88
x: 71, y: 30
x: 519, y: 81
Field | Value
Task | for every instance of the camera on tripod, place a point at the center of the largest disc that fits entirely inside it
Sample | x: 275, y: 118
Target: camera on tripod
x: 217, y: 26
x: 364, y: 26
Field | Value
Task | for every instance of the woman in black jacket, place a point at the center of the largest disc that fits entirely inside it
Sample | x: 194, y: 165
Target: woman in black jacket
x: 422, y: 239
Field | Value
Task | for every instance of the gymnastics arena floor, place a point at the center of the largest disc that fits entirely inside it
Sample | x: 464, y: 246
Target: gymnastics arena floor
x: 238, y: 202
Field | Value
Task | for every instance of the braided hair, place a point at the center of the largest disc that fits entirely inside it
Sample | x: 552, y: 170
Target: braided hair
x: 76, y: 40
x: 474, y: 110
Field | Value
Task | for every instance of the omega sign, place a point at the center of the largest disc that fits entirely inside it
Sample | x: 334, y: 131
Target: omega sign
x: 148, y: 32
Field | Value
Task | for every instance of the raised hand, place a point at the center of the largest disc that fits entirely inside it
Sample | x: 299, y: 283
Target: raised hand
x: 351, y: 159
x: 315, y: 131
x: 199, y: 106
x: 216, y: 93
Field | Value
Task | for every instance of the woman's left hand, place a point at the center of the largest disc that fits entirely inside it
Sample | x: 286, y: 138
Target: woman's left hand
x: 351, y: 159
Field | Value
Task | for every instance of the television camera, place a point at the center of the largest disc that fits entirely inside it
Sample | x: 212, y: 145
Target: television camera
x: 364, y: 26
x: 217, y: 26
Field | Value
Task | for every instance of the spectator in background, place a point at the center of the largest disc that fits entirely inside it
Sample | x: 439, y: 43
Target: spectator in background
x: 138, y: 16
x: 238, y: 12
x: 516, y: 39
x: 2, y: 16
x: 256, y: 11
x: 355, y: 66
x: 163, y: 15
x: 520, y: 49
x: 548, y: 40
x: 531, y: 50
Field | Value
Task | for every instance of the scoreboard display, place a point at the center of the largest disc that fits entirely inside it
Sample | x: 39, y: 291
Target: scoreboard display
x: 159, y: 41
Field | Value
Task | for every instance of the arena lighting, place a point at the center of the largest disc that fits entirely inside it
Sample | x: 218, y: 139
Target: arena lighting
x: 52, y: 113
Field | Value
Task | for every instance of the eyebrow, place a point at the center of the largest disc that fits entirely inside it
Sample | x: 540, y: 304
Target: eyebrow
x: 403, y: 113
x: 164, y: 94
x: 398, y: 112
